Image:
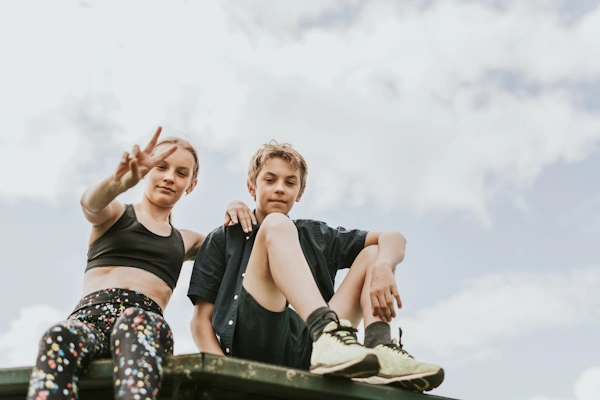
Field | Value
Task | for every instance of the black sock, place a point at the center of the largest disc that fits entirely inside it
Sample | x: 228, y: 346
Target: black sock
x: 318, y: 320
x: 377, y: 333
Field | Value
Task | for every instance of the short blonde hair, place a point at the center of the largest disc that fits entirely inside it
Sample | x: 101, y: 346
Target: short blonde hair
x: 278, y: 150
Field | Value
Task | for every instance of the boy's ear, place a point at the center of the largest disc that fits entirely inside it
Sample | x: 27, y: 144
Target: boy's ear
x: 299, y: 195
x: 251, y: 189
x: 191, y: 187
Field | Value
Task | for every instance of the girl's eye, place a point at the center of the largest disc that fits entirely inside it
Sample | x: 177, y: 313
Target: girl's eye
x: 291, y: 183
x: 182, y: 173
x: 160, y: 166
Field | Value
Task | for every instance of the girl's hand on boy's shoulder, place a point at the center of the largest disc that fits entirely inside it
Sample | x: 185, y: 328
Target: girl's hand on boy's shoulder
x: 238, y: 212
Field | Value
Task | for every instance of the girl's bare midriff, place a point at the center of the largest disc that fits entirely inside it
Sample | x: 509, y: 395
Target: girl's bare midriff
x: 130, y: 278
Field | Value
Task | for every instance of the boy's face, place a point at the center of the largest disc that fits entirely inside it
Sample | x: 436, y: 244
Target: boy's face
x: 277, y: 188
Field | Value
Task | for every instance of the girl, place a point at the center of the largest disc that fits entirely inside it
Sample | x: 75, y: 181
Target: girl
x: 134, y: 260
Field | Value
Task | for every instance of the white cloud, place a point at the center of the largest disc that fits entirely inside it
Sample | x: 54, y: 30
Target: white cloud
x: 179, y: 313
x: 401, y: 104
x: 587, y: 386
x: 585, y: 215
x: 474, y: 323
x: 19, y: 345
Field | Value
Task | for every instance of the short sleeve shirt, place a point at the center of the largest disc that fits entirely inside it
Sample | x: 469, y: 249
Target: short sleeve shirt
x: 221, y: 263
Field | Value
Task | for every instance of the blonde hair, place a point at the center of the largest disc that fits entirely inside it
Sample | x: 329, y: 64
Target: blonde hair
x: 278, y: 150
x: 185, y: 145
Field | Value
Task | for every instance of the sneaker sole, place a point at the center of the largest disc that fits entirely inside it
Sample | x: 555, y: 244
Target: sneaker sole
x: 367, y: 367
x: 418, y: 382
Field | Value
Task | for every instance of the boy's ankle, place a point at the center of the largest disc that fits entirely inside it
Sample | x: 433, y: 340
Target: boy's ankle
x: 377, y: 333
x: 318, y: 320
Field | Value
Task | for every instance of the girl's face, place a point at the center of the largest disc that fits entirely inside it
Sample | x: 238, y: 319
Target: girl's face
x: 171, y: 178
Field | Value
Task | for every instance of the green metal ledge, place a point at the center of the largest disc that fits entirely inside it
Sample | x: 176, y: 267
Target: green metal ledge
x: 207, y: 377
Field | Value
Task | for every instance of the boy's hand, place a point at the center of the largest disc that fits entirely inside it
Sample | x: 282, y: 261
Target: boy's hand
x: 238, y: 211
x: 383, y: 292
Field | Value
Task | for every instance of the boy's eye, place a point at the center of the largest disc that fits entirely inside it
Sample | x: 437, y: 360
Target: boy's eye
x: 269, y: 179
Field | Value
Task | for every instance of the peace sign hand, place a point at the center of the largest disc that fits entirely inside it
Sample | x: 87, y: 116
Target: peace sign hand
x: 135, y: 165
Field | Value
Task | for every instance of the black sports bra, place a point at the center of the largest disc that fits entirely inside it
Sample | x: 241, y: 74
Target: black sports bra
x: 129, y: 244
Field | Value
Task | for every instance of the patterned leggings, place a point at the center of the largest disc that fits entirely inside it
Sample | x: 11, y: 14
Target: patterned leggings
x: 117, y: 323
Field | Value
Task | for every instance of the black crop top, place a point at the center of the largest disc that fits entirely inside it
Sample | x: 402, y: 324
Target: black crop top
x: 129, y: 244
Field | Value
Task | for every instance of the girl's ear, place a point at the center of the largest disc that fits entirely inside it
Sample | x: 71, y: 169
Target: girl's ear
x: 191, y: 186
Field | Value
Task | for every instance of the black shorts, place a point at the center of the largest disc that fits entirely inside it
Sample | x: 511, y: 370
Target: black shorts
x: 280, y: 338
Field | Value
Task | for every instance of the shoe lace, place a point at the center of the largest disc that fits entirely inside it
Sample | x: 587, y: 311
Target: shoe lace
x: 346, y: 334
x: 397, y: 346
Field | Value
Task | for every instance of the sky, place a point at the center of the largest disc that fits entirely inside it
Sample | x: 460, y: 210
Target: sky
x: 472, y: 127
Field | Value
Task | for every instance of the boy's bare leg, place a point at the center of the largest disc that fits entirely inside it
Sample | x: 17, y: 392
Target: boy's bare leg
x: 352, y: 300
x: 277, y: 269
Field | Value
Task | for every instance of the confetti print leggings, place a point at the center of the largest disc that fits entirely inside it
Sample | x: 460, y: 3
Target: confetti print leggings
x: 117, y: 323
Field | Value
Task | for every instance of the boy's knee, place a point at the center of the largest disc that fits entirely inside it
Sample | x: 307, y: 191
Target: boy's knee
x: 277, y: 222
x: 369, y: 254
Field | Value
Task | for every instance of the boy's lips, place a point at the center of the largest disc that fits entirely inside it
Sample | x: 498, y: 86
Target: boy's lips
x: 278, y: 201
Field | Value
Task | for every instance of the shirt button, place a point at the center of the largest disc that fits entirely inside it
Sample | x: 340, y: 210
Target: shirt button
x: 247, y: 237
x: 243, y: 275
x: 227, y: 350
x: 230, y: 322
x: 235, y: 297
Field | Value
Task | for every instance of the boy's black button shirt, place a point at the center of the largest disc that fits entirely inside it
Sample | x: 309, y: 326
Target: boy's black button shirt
x: 222, y: 260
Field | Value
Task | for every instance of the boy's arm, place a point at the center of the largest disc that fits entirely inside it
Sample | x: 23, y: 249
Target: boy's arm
x: 202, y: 330
x: 383, y: 286
x: 207, y: 275
x: 342, y: 246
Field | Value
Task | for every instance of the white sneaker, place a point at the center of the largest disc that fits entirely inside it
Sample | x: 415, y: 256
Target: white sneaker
x: 399, y: 368
x: 338, y: 353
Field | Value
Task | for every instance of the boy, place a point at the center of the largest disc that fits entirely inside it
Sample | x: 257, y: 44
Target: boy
x: 242, y: 284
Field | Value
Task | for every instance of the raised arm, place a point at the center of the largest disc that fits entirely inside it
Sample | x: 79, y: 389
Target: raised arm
x: 202, y: 330
x: 99, y: 202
